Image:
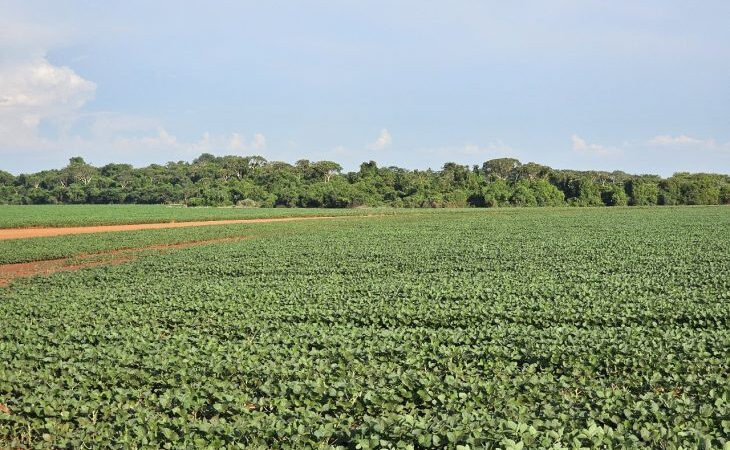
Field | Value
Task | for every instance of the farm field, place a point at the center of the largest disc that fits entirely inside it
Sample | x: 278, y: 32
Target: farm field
x: 507, y: 328
x: 17, y: 216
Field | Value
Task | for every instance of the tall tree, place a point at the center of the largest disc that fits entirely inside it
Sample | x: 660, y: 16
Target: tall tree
x: 503, y: 168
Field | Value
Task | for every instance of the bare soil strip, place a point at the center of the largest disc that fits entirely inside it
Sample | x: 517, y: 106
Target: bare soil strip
x: 22, y: 233
x: 8, y: 272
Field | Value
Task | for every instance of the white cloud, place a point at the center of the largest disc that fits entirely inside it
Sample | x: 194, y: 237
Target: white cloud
x: 237, y: 143
x: 581, y: 146
x: 21, y: 40
x: 383, y: 140
x: 259, y: 142
x: 163, y: 139
x: 39, y: 84
x: 44, y: 114
x: 33, y: 90
x: 666, y: 140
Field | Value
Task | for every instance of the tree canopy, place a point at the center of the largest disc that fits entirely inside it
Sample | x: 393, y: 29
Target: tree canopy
x: 211, y: 180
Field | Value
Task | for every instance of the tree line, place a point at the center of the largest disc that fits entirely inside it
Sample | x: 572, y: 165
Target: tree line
x: 252, y: 181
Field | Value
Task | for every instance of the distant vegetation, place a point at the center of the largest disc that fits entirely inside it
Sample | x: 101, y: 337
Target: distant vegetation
x: 253, y: 181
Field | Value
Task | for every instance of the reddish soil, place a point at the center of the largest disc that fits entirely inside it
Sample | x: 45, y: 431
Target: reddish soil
x: 8, y: 272
x: 21, y: 233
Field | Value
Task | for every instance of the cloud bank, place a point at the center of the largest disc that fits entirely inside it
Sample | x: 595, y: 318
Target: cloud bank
x: 679, y: 141
x: 32, y: 91
x: 581, y: 146
x: 36, y: 95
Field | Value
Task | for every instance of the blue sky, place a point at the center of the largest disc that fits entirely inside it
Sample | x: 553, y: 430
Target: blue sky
x: 638, y: 86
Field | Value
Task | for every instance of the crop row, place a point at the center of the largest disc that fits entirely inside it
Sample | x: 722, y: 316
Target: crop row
x: 534, y: 329
x: 18, y: 216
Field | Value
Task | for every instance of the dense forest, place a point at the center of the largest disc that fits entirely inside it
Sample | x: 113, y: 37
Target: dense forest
x: 253, y: 181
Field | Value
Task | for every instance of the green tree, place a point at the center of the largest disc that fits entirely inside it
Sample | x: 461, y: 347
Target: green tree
x: 78, y: 171
x: 700, y: 189
x: 326, y: 169
x: 496, y: 193
x: 455, y: 199
x: 614, y: 196
x: 643, y: 193
x: 531, y: 171
x: 546, y: 194
x: 725, y: 194
x: 503, y: 168
x: 586, y: 191
x: 6, y: 178
x: 522, y: 195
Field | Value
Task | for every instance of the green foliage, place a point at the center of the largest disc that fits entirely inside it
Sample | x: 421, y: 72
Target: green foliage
x: 522, y: 195
x: 223, y: 181
x: 6, y: 178
x: 643, y: 193
x: 503, y: 168
x: 496, y: 193
x: 455, y: 199
x: 725, y: 194
x: 701, y: 192
x: 587, y: 192
x: 541, y: 328
x: 327, y: 194
x: 17, y: 216
x: 615, y: 196
x: 546, y: 194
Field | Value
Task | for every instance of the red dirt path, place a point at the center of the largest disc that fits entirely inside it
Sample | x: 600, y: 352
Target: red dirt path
x: 8, y: 272
x: 22, y: 233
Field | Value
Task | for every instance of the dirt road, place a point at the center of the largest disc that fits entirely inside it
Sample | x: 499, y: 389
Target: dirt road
x: 22, y: 233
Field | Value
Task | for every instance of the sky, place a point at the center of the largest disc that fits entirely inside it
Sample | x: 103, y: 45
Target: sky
x: 639, y: 86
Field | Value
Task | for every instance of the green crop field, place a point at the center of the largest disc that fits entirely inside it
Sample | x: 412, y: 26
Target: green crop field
x: 509, y: 328
x: 16, y: 216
